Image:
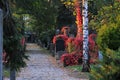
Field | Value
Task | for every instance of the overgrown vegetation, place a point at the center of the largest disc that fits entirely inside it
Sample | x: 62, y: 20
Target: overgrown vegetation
x: 47, y: 15
x: 109, y: 68
x: 107, y: 25
x: 12, y: 35
x: 104, y: 20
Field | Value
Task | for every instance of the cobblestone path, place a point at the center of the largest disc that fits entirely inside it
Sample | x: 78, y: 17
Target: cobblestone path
x: 42, y: 66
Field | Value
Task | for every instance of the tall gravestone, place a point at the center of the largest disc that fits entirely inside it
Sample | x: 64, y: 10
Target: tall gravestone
x: 59, y: 48
x: 1, y: 42
x: 60, y: 45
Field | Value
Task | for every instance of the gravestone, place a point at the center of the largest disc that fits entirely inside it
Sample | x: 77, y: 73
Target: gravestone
x: 60, y: 45
x: 59, y: 48
x: 52, y: 49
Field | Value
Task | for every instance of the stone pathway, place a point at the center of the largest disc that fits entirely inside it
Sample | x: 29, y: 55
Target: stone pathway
x: 42, y: 67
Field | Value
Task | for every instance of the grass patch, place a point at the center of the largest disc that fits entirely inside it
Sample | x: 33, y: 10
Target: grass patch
x: 6, y: 72
x: 75, y: 67
x: 79, y: 67
x: 76, y: 71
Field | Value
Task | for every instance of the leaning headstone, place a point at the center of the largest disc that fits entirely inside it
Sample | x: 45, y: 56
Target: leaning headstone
x: 59, y: 48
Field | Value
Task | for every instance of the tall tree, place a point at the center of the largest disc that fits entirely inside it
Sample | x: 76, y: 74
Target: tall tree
x: 86, y: 66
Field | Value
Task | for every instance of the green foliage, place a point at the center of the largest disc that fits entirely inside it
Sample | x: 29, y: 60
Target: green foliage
x: 65, y: 16
x: 68, y: 3
x: 109, y: 69
x: 46, y: 36
x: 12, y: 34
x: 15, y: 52
x: 108, y: 27
x: 109, y: 36
x: 43, y: 13
x: 6, y: 72
x: 107, y: 24
x: 75, y: 67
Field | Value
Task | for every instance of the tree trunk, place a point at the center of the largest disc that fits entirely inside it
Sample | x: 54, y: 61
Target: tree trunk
x: 1, y: 43
x: 86, y: 66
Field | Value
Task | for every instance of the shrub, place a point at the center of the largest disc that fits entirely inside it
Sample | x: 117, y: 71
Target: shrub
x: 109, y: 69
x: 75, y: 57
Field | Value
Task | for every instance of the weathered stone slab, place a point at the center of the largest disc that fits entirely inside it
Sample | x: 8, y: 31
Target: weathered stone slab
x: 59, y: 54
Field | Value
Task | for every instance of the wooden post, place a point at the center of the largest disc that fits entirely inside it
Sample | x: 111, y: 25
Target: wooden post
x: 86, y: 66
x: 1, y: 43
